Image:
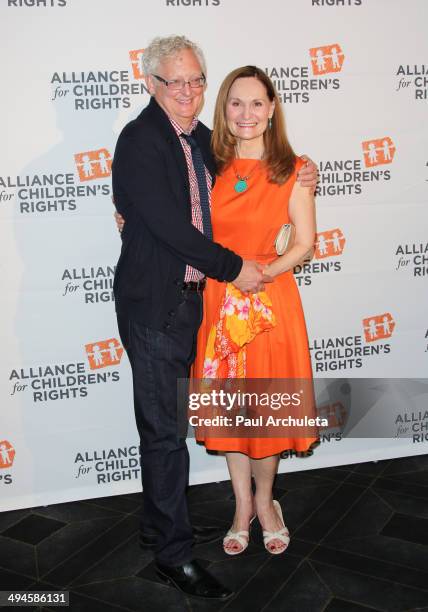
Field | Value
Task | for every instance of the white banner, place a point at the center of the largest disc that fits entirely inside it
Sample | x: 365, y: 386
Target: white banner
x: 352, y: 77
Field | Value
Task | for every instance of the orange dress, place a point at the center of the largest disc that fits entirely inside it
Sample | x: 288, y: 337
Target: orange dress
x: 248, y: 223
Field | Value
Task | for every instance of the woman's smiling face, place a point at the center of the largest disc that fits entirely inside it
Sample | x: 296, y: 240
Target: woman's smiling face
x: 248, y: 109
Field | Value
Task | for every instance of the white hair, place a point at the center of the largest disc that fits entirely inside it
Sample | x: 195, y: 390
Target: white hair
x: 162, y: 48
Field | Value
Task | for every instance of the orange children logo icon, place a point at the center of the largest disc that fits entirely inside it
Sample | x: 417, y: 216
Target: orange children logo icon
x: 7, y: 454
x: 378, y: 151
x: 329, y: 243
x: 335, y: 414
x: 104, y: 353
x: 93, y: 164
x: 326, y: 59
x: 378, y: 327
x: 136, y: 57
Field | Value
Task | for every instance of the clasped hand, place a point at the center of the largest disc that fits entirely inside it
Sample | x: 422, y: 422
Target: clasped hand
x: 252, y: 277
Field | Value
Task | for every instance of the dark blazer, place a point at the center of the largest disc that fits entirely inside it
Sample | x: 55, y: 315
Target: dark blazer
x: 151, y: 191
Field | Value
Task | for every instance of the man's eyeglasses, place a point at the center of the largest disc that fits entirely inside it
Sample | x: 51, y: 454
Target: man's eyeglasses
x: 177, y: 84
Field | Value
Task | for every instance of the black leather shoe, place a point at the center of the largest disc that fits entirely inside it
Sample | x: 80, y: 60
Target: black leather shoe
x: 201, y: 535
x: 192, y: 579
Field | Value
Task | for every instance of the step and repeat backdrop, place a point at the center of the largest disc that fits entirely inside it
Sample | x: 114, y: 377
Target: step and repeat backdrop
x: 353, y: 78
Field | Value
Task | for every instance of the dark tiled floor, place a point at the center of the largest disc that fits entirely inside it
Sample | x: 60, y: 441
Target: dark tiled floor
x: 359, y: 542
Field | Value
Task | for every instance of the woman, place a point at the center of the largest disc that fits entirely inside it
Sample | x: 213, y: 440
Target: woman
x: 255, y: 193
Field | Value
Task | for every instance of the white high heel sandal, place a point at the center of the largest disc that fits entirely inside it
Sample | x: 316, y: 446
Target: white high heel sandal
x: 282, y: 534
x: 242, y: 537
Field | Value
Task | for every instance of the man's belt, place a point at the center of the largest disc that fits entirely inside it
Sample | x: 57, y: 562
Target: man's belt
x: 197, y: 286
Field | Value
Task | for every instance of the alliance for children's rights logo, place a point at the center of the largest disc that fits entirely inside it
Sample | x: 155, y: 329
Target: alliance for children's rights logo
x: 7, y: 456
x: 101, y: 89
x: 60, y: 192
x: 329, y: 245
x: 94, y: 284
x: 378, y: 327
x: 136, y: 58
x: 296, y: 83
x: 348, y: 176
x: 413, y: 78
x: 378, y: 152
x: 349, y: 352
x: 326, y: 59
x: 109, y: 465
x: 72, y: 380
x: 413, y: 258
x: 93, y: 164
x: 336, y: 415
x: 104, y: 353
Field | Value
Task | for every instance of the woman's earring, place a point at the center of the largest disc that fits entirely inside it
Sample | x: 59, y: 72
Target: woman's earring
x: 270, y: 123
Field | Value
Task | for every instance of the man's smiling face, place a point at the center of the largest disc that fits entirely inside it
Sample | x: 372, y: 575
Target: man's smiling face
x: 184, y: 104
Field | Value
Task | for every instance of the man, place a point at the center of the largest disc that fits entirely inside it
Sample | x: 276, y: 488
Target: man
x: 162, y: 177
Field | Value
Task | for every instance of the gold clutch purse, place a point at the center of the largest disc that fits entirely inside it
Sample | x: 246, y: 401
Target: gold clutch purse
x: 285, y: 238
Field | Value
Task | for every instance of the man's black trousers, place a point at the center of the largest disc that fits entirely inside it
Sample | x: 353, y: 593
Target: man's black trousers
x: 157, y: 360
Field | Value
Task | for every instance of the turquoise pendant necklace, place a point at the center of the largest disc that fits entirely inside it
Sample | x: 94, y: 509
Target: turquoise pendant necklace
x: 241, y: 184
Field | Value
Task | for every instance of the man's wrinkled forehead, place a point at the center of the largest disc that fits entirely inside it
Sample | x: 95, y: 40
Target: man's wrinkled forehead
x: 182, y: 64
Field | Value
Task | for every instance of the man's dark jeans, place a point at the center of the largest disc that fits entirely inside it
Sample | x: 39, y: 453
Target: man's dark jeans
x: 157, y: 360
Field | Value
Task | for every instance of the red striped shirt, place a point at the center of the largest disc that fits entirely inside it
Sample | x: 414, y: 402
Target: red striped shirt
x: 192, y: 274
